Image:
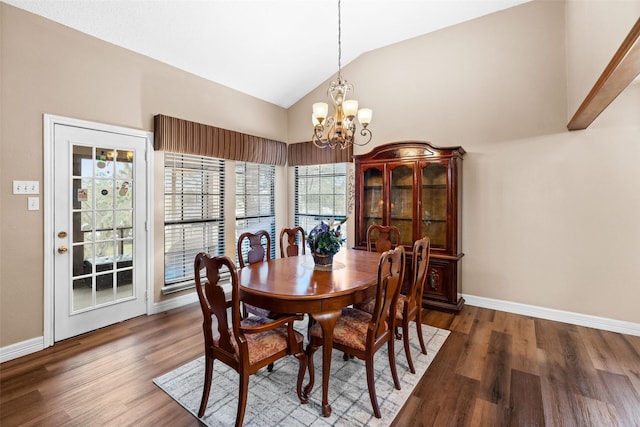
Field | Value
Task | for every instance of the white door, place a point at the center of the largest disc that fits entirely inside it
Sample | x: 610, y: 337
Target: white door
x: 99, y: 229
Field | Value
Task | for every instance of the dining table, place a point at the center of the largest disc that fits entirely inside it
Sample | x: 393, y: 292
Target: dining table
x: 296, y: 285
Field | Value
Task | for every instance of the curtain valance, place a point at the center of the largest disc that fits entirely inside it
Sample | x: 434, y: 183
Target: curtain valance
x: 183, y: 136
x: 306, y: 153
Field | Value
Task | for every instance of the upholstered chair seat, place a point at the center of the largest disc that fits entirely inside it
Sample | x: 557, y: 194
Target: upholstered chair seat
x: 350, y: 329
x: 262, y: 345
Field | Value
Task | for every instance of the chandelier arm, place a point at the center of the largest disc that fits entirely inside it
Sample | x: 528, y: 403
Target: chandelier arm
x: 317, y: 136
x: 364, y: 132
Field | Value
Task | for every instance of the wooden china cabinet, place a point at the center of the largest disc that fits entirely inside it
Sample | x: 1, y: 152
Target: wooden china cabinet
x: 417, y: 187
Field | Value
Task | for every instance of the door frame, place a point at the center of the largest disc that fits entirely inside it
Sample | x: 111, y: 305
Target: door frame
x: 49, y: 122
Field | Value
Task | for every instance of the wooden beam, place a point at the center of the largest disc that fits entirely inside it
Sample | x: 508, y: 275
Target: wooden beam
x: 623, y: 68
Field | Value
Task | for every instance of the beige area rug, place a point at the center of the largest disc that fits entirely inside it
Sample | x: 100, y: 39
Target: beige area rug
x: 273, y: 401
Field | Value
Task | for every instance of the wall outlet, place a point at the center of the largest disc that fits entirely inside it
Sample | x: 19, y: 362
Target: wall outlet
x: 26, y: 187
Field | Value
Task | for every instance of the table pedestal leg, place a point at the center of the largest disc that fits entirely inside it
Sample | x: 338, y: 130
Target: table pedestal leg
x: 327, y: 322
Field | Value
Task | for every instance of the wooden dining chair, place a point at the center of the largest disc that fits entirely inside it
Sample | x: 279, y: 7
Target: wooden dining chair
x: 257, y: 252
x: 361, y: 334
x: 245, y: 345
x: 382, y: 238
x: 292, y: 242
x: 409, y: 305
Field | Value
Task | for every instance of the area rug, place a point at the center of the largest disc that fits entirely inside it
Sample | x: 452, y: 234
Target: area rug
x: 272, y: 399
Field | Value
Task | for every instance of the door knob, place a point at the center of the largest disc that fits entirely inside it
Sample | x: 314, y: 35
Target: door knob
x: 62, y: 249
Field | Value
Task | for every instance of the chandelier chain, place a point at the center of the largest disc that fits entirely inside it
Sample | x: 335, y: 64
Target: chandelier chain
x: 339, y: 43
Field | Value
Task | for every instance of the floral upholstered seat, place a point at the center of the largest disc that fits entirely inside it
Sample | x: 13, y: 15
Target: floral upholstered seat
x: 350, y: 329
x: 264, y: 344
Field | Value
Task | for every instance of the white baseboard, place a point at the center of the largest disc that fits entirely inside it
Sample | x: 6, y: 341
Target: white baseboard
x: 580, y: 319
x: 174, y: 303
x: 20, y: 349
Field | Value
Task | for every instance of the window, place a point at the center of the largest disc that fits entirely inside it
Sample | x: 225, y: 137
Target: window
x: 255, y: 200
x: 321, y: 193
x: 193, y: 215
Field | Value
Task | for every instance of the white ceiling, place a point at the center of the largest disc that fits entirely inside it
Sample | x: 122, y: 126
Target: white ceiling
x: 275, y: 50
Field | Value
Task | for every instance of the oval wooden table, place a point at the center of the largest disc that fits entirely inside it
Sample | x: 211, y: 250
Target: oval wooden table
x: 294, y: 285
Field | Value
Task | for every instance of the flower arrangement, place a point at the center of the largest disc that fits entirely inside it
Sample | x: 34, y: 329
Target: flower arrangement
x: 326, y: 238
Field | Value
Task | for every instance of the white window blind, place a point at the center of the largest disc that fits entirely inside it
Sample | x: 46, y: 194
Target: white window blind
x: 321, y: 193
x: 255, y: 201
x: 194, y: 213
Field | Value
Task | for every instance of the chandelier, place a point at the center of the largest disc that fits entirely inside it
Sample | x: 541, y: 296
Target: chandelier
x: 340, y: 128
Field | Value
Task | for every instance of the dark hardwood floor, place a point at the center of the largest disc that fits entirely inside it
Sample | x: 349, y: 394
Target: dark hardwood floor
x: 495, y: 369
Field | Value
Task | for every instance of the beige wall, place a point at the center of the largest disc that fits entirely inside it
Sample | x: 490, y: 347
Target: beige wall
x: 50, y: 69
x: 549, y: 216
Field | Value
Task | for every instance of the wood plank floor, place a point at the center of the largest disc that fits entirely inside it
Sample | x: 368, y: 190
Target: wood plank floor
x: 495, y: 369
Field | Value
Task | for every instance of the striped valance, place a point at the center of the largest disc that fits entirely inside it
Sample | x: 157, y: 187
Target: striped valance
x: 183, y: 136
x: 306, y: 153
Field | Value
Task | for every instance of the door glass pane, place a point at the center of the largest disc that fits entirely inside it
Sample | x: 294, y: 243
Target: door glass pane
x: 82, y: 293
x: 82, y: 193
x: 434, y: 204
x: 104, y: 193
x: 82, y: 259
x: 82, y: 226
x: 82, y: 164
x: 124, y: 194
x: 102, y: 212
x: 402, y: 202
x: 104, y: 288
x: 125, y: 250
x: 124, y: 284
x: 104, y: 162
x: 124, y: 165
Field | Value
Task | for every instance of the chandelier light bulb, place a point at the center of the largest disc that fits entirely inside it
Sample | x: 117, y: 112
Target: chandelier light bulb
x: 364, y: 116
x: 350, y: 108
x: 320, y: 110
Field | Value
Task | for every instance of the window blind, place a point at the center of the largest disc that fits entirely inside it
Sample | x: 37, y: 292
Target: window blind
x: 255, y: 201
x: 194, y: 212
x: 321, y: 194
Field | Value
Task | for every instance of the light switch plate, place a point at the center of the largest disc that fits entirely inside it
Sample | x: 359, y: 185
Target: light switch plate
x: 26, y: 187
x: 34, y: 204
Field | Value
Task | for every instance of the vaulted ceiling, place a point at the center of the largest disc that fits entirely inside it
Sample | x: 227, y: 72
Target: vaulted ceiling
x: 275, y: 50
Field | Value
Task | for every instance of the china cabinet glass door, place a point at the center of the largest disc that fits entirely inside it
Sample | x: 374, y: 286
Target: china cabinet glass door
x: 373, y: 198
x: 434, y: 204
x: 402, y: 202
